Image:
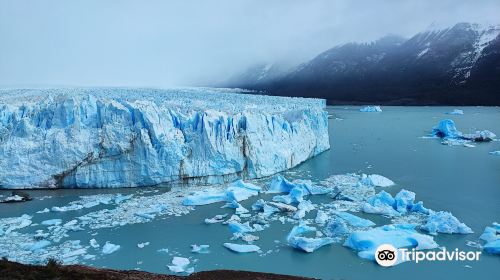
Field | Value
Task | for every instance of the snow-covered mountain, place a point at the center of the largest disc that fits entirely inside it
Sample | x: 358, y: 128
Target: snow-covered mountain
x: 115, y: 137
x: 455, y: 65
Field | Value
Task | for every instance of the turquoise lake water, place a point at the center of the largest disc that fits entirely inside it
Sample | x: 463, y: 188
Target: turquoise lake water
x: 464, y: 181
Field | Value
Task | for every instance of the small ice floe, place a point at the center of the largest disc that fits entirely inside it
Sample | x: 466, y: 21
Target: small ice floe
x: 52, y: 222
x: 444, y: 222
x: 179, y: 265
x: 492, y: 237
x: 456, y: 112
x: 109, y: 248
x: 399, y: 236
x: 303, y: 207
x: 309, y: 245
x: 376, y: 180
x: 354, y: 220
x: 451, y: 136
x: 86, y: 202
x: 235, y: 192
x: 321, y: 217
x: 242, y: 248
x: 36, y: 246
x: 374, y: 108
x: 384, y: 204
x: 495, y: 153
x: 17, y: 196
x: 45, y: 210
x: 142, y: 245
x: 215, y: 219
x: 200, y: 249
x: 93, y: 243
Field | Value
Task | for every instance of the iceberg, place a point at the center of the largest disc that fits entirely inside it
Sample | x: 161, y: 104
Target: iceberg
x: 354, y: 220
x: 306, y: 244
x: 452, y: 136
x: 376, y: 180
x: 303, y: 207
x: 399, y: 236
x: 200, y: 249
x: 492, y: 237
x: 133, y: 137
x: 495, y: 153
x: 383, y: 203
x: 179, y: 264
x: 456, y: 112
x: 52, y: 222
x: 444, y: 222
x: 235, y: 192
x: 371, y: 109
x: 109, y: 248
x: 242, y: 248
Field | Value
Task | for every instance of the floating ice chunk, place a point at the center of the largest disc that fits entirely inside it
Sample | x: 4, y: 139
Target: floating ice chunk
x: 258, y: 205
x: 303, y: 207
x: 109, y: 248
x: 45, y: 210
x: 336, y: 227
x: 321, y: 217
x: 354, y: 220
x: 200, y: 249
x: 444, y: 222
x: 120, y: 198
x: 306, y: 244
x: 236, y: 227
x: 7, y: 225
x: 310, y: 245
x: 280, y: 185
x: 399, y: 236
x: 52, y: 222
x: 179, y: 264
x: 495, y: 153
x: 446, y: 129
x: 283, y: 207
x: 235, y: 192
x: 376, y: 180
x: 242, y: 248
x: 37, y: 245
x: 492, y: 237
x: 94, y: 243
x: 480, y: 136
x: 382, y: 203
x: 371, y: 109
x: 215, y: 219
x: 404, y: 201
x: 456, y: 112
x: 311, y: 187
x: 142, y: 245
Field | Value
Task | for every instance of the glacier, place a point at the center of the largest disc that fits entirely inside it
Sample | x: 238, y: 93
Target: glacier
x: 133, y: 137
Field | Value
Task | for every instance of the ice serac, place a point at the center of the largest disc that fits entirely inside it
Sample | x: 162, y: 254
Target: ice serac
x: 118, y: 137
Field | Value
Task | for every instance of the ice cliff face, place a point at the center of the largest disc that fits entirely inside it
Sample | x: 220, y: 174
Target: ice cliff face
x: 113, y: 137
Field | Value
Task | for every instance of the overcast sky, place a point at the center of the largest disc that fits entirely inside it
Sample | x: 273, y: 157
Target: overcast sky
x: 167, y: 43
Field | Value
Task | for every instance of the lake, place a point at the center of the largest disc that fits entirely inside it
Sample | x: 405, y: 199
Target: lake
x: 462, y: 180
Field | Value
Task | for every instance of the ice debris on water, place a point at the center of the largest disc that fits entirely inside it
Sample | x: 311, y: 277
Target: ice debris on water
x: 371, y: 109
x: 376, y: 180
x: 200, y: 249
x: 296, y: 239
x: 491, y: 235
x: 110, y: 248
x: 242, y: 248
x: 354, y: 220
x: 235, y: 192
x: 383, y: 203
x: 399, y: 236
x: 456, y: 112
x: 142, y: 245
x: 451, y: 136
x: 444, y: 222
x: 52, y: 222
x: 179, y: 265
x: 495, y: 153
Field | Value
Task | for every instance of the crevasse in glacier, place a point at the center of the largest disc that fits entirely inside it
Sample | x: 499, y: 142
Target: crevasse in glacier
x: 122, y: 137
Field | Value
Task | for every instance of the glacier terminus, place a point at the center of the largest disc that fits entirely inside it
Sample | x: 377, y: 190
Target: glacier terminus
x: 131, y: 137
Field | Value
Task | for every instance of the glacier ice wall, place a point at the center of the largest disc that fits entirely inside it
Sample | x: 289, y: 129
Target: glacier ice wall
x: 122, y: 137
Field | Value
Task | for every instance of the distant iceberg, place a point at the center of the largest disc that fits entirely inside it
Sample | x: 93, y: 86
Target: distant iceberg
x: 447, y: 130
x: 456, y: 112
x: 119, y: 137
x: 371, y: 109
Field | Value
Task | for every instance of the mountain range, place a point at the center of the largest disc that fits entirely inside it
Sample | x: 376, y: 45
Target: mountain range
x: 459, y: 65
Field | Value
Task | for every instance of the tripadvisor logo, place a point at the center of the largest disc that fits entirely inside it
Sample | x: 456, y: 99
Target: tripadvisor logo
x: 388, y: 255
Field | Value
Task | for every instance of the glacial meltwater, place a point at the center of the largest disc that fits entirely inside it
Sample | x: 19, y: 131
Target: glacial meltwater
x: 462, y: 180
